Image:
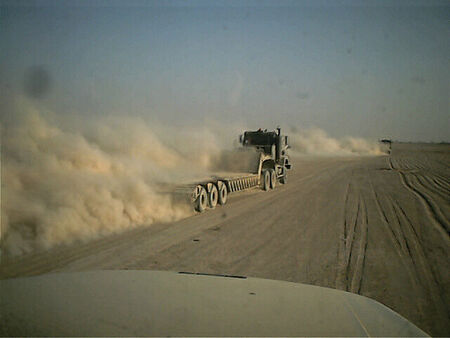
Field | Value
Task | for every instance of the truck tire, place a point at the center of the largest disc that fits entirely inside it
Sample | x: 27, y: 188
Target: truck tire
x: 265, y: 179
x: 223, y: 194
x: 283, y: 179
x: 273, y: 178
x: 213, y: 195
x: 201, y: 201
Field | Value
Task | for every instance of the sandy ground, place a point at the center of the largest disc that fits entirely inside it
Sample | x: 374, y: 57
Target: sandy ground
x: 377, y: 226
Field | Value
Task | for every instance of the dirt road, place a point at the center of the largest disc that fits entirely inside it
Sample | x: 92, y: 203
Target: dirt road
x: 377, y: 226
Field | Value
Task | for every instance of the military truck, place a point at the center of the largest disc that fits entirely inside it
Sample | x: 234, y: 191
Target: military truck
x: 268, y: 167
x: 388, y: 143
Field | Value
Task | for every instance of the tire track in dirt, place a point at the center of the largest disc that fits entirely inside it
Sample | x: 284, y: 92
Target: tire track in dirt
x: 396, y: 240
x: 353, y: 242
x: 355, y: 285
x: 408, y: 246
x: 395, y: 234
x: 391, y: 164
x: 341, y: 277
x: 429, y: 183
x: 444, y: 182
x: 443, y: 187
x: 438, y: 219
x: 419, y: 261
x: 433, y: 211
x: 431, y: 188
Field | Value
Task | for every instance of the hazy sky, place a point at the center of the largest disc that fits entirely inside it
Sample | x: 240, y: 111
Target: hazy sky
x: 371, y: 69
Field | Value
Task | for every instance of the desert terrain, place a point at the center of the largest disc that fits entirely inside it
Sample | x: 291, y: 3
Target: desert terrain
x: 373, y: 225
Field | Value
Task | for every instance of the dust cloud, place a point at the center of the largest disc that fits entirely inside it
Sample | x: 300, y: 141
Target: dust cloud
x: 68, y: 178
x: 236, y: 160
x: 316, y: 142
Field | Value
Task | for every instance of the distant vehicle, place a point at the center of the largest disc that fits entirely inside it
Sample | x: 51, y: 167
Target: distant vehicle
x: 270, y: 166
x: 387, y: 142
x: 161, y: 303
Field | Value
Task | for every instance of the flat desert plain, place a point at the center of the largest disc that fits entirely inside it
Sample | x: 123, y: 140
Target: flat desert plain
x: 377, y: 226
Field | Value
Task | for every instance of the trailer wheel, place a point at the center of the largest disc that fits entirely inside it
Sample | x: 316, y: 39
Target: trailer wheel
x: 223, y: 194
x: 283, y: 179
x: 266, y: 180
x: 273, y: 178
x: 201, y: 201
x: 212, y: 197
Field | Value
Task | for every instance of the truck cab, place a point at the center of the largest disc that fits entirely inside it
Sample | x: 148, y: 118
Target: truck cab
x: 275, y: 160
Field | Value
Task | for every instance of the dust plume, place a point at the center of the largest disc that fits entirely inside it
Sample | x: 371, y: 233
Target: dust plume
x: 67, y: 179
x: 237, y: 160
x: 316, y: 142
